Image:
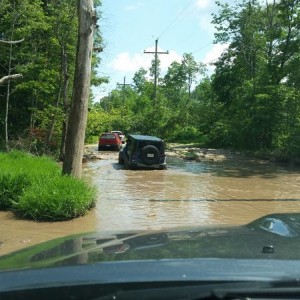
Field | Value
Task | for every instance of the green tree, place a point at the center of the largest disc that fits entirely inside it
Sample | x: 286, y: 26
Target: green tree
x: 139, y: 80
x: 17, y: 19
x: 39, y: 103
x: 249, y: 75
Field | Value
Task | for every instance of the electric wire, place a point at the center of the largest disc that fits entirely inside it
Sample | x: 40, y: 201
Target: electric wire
x: 202, y: 47
x: 186, y: 38
x: 172, y: 23
x: 179, y: 15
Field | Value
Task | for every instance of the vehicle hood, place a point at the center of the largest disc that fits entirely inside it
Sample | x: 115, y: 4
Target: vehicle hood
x: 275, y: 236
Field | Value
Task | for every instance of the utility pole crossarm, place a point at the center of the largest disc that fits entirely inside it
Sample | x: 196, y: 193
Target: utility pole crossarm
x: 158, y: 52
x: 124, y: 83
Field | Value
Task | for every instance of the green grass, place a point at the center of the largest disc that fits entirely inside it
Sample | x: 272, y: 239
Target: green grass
x: 34, y: 188
x: 56, y: 198
x: 12, y: 187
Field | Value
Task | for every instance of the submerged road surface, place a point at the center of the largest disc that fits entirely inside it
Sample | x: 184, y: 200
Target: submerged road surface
x: 227, y: 191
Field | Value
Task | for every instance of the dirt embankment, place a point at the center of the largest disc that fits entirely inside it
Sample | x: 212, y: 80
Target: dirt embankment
x: 91, y: 153
x: 191, y: 152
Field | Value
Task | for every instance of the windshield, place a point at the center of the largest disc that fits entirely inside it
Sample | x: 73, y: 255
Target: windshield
x: 207, y: 96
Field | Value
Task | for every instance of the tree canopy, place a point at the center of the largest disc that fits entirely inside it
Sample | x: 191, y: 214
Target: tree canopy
x: 38, y: 104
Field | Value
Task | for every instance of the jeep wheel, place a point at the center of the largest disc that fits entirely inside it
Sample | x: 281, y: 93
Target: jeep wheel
x: 126, y: 165
x: 121, y: 160
x: 150, y: 155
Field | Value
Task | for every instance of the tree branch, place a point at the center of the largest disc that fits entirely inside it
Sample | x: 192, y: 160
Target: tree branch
x: 9, y: 77
x: 12, y: 42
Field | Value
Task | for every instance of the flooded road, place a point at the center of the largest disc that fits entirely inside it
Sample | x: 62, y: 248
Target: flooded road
x: 192, y: 193
x: 229, y: 191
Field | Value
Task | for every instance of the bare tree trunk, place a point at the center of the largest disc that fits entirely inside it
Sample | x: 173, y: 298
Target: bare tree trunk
x: 72, y: 163
x: 9, y: 76
x: 7, y: 98
x: 54, y: 118
x: 65, y: 105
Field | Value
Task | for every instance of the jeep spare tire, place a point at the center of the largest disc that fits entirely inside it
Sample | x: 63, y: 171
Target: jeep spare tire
x: 150, y: 155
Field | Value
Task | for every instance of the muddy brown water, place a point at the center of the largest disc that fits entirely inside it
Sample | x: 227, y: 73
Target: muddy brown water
x: 188, y: 193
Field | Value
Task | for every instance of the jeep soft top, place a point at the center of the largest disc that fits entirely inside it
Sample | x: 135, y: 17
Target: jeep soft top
x: 145, y: 137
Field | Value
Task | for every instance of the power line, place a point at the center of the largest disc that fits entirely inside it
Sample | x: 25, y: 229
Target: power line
x: 179, y: 15
x: 202, y: 47
x: 186, y: 38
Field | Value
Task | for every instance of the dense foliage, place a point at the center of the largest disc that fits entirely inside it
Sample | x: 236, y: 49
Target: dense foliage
x: 251, y: 101
x: 34, y: 109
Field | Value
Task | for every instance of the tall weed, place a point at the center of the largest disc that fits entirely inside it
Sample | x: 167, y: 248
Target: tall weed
x: 56, y: 198
x: 12, y: 187
x: 34, y: 188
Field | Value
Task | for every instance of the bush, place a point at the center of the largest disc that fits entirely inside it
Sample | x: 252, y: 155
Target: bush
x: 34, y: 140
x: 188, y: 135
x: 34, y: 188
x: 93, y: 139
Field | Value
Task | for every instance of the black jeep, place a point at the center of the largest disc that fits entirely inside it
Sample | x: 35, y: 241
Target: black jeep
x: 143, y: 151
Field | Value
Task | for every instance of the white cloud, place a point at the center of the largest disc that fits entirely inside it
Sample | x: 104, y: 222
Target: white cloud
x: 165, y: 59
x: 134, y: 6
x: 203, y: 4
x: 127, y: 63
x: 213, y: 55
x: 204, y: 14
x: 205, y: 23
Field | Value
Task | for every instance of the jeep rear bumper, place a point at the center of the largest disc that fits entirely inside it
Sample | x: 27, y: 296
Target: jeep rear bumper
x: 137, y: 165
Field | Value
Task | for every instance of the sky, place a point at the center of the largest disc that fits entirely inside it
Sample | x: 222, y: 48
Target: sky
x: 130, y: 27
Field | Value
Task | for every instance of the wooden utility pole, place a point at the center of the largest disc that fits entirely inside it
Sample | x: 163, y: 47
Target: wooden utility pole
x: 123, y: 88
x: 72, y: 163
x: 156, y: 52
